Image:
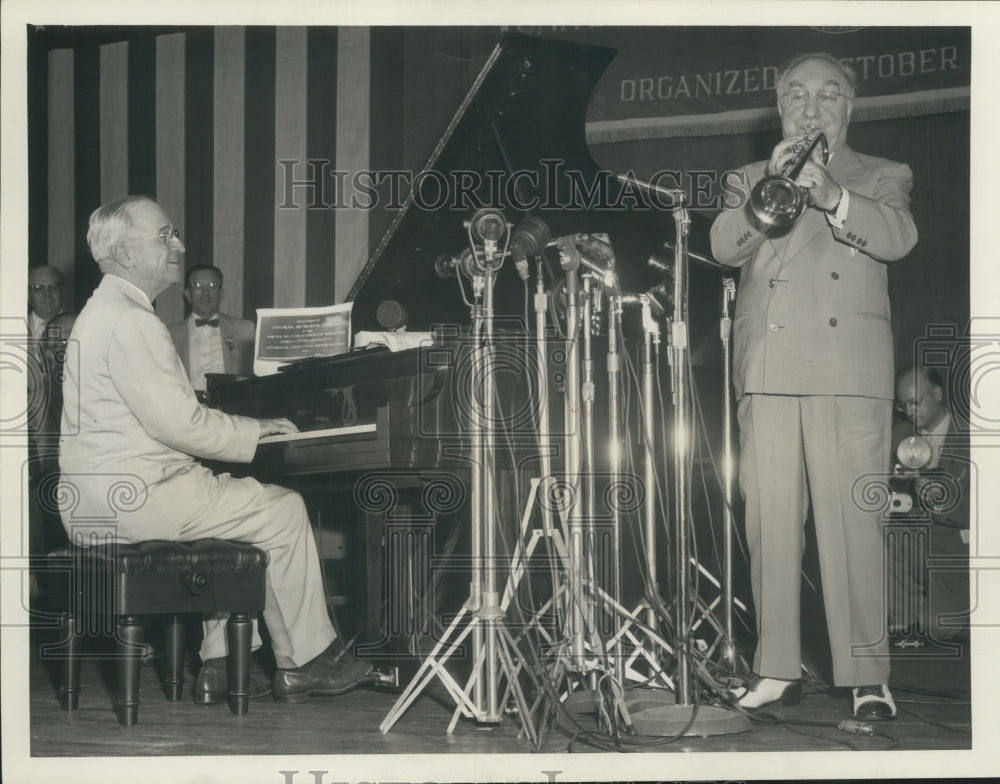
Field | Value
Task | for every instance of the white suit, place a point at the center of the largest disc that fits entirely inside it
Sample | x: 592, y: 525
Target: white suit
x: 131, y: 424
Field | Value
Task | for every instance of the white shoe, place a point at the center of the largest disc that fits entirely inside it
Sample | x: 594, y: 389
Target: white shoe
x: 872, y: 703
x: 761, y: 692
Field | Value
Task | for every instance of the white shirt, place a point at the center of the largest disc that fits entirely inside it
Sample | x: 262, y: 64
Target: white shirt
x: 204, y: 352
x: 36, y: 326
x: 837, y: 218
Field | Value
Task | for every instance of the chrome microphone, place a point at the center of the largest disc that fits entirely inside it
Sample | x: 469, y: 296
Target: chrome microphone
x: 590, y: 251
x: 451, y: 266
x: 596, y: 253
x: 487, y: 226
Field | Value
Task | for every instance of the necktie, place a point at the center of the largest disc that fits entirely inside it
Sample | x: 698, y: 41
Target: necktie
x: 206, y: 322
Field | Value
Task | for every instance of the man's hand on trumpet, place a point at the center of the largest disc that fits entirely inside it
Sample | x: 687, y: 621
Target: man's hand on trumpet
x: 823, y: 191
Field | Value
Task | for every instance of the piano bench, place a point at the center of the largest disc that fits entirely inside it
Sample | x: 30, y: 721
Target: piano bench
x: 106, y: 589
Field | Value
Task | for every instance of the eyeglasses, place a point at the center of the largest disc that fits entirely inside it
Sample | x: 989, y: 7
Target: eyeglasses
x: 163, y: 236
x: 207, y: 285
x: 826, y: 99
x: 904, y: 406
x: 45, y: 287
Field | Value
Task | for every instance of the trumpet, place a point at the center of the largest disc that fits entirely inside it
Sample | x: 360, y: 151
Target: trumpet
x: 776, y: 200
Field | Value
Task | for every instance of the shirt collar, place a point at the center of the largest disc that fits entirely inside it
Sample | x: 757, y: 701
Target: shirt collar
x: 129, y: 287
x: 942, y: 427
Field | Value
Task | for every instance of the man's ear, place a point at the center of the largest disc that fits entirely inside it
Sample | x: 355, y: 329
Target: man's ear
x: 187, y: 295
x: 937, y: 393
x: 121, y: 254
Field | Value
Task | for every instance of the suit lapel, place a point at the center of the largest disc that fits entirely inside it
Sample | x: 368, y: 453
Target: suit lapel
x: 843, y: 169
x: 225, y: 329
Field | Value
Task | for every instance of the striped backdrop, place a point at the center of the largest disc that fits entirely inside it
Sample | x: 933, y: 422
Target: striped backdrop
x: 201, y: 120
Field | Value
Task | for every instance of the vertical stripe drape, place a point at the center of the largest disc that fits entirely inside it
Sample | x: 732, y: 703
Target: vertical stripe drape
x: 61, y: 214
x: 200, y: 120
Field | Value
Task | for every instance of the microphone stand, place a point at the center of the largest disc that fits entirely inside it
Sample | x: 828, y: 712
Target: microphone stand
x: 493, y: 648
x: 728, y: 470
x: 683, y: 717
x: 615, y: 466
x: 644, y: 620
x: 572, y: 420
x: 589, y: 475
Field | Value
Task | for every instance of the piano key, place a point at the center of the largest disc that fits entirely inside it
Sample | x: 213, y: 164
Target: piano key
x: 316, y: 434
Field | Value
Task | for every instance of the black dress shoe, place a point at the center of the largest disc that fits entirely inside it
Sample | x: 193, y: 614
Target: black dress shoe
x: 761, y: 692
x: 332, y: 672
x: 211, y: 687
x: 873, y: 703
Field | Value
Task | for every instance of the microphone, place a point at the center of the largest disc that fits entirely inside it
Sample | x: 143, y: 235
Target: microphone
x: 529, y: 237
x: 596, y: 253
x: 569, y: 256
x: 487, y: 226
x: 391, y: 315
x: 450, y: 266
x: 660, y: 264
x: 592, y: 252
x: 661, y: 296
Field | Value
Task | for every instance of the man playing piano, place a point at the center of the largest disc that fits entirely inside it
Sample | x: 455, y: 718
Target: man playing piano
x: 139, y: 420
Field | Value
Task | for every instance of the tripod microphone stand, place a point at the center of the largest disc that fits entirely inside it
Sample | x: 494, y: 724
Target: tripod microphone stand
x: 494, y: 651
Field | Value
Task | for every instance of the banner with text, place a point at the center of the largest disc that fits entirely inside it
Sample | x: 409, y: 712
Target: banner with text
x: 702, y: 81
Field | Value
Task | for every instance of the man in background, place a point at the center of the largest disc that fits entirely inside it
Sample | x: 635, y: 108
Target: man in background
x: 930, y: 599
x: 45, y: 285
x: 209, y: 341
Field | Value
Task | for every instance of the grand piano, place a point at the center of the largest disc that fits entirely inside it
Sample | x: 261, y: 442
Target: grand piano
x: 383, y: 457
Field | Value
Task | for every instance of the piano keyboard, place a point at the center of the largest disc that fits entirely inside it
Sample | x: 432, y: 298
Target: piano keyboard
x: 325, y: 433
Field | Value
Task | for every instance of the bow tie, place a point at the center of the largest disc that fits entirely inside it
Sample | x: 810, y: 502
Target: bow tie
x: 206, y: 322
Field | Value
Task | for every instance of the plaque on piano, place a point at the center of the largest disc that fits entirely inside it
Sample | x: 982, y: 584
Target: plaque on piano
x: 286, y: 335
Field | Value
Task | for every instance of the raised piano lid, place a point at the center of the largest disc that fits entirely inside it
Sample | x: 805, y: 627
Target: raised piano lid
x: 528, y: 105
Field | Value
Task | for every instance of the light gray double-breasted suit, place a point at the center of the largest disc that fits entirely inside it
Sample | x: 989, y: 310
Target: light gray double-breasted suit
x: 813, y: 372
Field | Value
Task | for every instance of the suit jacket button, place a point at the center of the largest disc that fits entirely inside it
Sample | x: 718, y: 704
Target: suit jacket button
x: 833, y: 322
x: 771, y: 283
x: 835, y: 276
x: 773, y: 327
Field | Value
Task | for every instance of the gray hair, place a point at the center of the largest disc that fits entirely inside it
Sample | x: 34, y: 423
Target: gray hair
x: 850, y: 76
x: 108, y: 222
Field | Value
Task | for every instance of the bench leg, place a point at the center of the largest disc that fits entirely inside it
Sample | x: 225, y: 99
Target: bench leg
x: 129, y: 634
x: 69, y: 687
x: 175, y: 657
x: 239, y: 630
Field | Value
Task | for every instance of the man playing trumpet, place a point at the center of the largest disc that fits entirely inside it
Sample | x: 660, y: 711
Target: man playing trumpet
x: 813, y: 373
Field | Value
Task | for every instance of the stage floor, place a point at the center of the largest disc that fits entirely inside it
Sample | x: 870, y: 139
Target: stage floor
x: 931, y: 687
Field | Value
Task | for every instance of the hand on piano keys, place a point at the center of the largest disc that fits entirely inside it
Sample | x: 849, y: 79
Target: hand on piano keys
x: 276, y: 427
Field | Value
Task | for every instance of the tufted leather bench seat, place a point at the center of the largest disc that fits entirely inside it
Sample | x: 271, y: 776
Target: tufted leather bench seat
x: 108, y: 587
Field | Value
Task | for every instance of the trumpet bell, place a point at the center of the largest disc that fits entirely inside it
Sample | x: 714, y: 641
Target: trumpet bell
x: 777, y: 201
